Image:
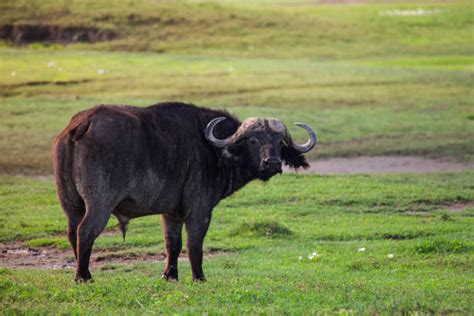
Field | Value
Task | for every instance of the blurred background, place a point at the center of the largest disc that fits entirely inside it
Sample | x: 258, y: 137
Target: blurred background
x: 374, y: 78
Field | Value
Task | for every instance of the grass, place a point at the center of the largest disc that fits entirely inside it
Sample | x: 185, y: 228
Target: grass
x: 358, y: 109
x: 270, y: 30
x: 263, y: 230
x: 370, y: 84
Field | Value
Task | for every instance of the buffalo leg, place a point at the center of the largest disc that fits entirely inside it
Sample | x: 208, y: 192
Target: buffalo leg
x: 196, y: 229
x: 89, y: 229
x: 74, y: 218
x: 172, y: 228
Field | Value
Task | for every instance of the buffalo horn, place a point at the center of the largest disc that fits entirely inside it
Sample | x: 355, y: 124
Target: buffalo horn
x: 209, y: 132
x: 311, y: 141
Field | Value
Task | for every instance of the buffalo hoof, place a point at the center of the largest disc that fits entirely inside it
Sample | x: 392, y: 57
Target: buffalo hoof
x: 83, y: 280
x: 200, y: 279
x: 169, y: 278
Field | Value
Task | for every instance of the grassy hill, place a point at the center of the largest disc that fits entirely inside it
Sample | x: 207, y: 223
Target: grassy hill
x: 266, y: 30
x: 370, y: 83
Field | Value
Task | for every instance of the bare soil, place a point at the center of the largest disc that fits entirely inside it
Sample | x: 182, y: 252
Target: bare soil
x: 386, y: 164
x: 452, y: 208
x: 17, y: 255
x: 459, y: 207
x: 368, y: 165
x: 325, y: 2
x: 27, y: 33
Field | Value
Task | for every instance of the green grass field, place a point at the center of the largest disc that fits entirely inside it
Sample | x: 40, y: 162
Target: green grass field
x: 368, y: 82
x: 263, y: 230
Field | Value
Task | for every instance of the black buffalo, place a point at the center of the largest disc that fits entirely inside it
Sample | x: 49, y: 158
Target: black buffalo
x: 173, y: 159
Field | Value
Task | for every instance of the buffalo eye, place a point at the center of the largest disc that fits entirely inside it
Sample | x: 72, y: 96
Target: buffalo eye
x: 253, y: 141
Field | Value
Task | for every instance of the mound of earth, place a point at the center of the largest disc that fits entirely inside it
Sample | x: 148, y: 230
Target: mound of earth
x: 26, y: 33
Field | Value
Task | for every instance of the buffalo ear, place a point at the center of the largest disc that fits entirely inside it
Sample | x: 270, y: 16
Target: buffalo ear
x: 293, y: 158
x: 233, y: 151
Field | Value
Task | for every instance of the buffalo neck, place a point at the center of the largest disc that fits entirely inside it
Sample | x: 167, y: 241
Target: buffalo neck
x: 231, y: 177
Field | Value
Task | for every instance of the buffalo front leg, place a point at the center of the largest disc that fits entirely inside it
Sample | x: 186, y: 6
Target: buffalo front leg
x: 196, y: 229
x: 172, y: 228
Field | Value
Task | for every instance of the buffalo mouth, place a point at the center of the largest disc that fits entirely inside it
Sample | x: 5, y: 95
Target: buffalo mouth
x: 266, y: 174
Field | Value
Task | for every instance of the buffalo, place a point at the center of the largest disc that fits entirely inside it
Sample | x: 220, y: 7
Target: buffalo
x: 173, y: 159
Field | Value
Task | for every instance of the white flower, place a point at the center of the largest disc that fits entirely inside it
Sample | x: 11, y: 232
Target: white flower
x: 313, y: 255
x: 51, y: 64
x: 390, y: 255
x: 13, y: 74
x: 415, y: 12
x: 230, y: 69
x: 101, y: 71
x: 300, y: 258
x: 361, y: 249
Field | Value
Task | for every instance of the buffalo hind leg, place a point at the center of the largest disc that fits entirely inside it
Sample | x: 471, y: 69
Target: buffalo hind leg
x: 172, y: 228
x: 74, y: 218
x: 196, y: 229
x: 91, y: 226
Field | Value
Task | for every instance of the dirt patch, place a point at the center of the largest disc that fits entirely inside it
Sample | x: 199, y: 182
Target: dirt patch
x: 27, y: 33
x: 418, y: 213
x: 9, y: 90
x: 43, y: 83
x: 365, y: 165
x: 459, y: 207
x: 44, y: 178
x: 216, y: 93
x: 16, y: 255
x: 386, y: 164
x: 320, y: 2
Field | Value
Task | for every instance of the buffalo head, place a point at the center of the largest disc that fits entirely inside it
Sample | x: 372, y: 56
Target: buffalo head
x: 262, y: 144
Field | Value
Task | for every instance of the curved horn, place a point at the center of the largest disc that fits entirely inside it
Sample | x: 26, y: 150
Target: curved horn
x: 311, y: 141
x: 209, y: 133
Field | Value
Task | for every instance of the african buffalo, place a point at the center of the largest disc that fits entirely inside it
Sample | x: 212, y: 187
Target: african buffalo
x: 173, y: 159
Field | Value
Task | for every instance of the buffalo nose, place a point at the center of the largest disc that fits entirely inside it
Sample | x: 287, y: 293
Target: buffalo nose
x: 272, y: 163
